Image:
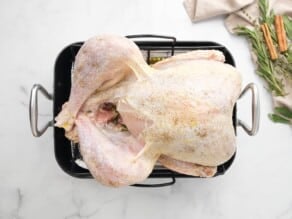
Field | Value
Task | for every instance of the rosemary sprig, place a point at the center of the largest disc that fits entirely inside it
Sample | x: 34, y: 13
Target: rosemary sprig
x: 265, y: 13
x: 265, y: 66
x: 273, y: 72
x: 288, y: 26
x: 282, y: 115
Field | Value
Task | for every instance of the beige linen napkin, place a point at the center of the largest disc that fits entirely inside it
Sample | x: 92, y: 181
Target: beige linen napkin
x: 243, y: 13
x: 203, y: 9
x: 248, y: 15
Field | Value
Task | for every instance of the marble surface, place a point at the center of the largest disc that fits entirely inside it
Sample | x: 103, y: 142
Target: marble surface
x: 258, y: 185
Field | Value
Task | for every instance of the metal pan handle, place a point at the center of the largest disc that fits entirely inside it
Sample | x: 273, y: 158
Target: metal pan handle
x: 33, y: 110
x: 152, y: 36
x: 158, y: 184
x: 156, y: 36
x: 255, y: 110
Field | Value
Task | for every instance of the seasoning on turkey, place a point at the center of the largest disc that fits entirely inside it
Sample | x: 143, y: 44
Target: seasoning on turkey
x: 177, y: 112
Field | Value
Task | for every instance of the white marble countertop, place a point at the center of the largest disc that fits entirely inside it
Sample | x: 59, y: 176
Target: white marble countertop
x: 258, y: 185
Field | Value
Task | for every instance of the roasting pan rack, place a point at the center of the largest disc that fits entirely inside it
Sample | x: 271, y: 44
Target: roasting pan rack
x: 67, y: 153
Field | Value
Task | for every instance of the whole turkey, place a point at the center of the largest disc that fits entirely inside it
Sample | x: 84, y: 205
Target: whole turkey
x: 127, y: 115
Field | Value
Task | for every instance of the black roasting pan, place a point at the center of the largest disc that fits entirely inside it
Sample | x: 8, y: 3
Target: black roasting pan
x: 67, y: 153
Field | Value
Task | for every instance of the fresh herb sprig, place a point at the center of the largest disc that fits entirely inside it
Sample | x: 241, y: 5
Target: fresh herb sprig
x: 288, y: 26
x: 265, y: 66
x: 281, y: 115
x: 272, y: 71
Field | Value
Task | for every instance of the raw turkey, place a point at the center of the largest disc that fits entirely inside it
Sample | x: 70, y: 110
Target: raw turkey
x: 127, y: 115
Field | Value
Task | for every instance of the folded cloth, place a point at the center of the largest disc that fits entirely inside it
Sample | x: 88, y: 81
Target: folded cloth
x: 203, y: 9
x: 241, y: 13
x: 286, y: 100
x: 248, y: 16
